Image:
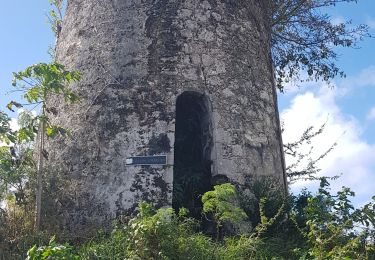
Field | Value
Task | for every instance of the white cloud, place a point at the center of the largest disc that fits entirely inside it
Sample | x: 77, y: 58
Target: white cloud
x: 371, y: 23
x: 295, y: 87
x: 366, y: 78
x: 14, y: 124
x: 338, y: 20
x: 371, y: 114
x: 353, y: 156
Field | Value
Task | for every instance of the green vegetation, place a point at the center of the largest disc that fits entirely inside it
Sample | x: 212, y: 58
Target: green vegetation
x: 52, y: 251
x: 304, y: 40
x: 21, y: 176
x: 222, y: 204
x: 37, y: 83
x: 313, y: 226
x: 266, y: 224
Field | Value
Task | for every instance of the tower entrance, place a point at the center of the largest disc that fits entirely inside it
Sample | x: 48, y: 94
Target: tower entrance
x: 192, y: 152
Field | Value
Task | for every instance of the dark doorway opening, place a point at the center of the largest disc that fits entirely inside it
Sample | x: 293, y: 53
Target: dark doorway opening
x: 192, y: 152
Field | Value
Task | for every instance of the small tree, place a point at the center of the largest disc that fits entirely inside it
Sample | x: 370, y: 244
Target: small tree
x: 38, y: 83
x: 222, y: 203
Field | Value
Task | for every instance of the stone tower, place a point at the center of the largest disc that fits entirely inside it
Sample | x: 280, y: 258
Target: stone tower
x: 191, y: 81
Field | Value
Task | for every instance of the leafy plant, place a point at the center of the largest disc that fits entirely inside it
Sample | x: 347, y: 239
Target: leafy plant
x: 7, y: 135
x: 153, y: 234
x: 52, y: 251
x: 38, y: 83
x: 326, y: 226
x: 332, y: 226
x: 55, y: 16
x: 222, y: 203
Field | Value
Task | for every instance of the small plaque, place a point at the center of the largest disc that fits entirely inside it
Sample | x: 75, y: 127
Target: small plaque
x: 147, y: 160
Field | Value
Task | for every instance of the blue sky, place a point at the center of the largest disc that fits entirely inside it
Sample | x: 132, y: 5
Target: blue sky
x: 349, y: 107
x: 25, y: 37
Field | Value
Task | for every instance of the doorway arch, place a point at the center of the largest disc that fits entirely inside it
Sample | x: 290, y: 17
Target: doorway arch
x: 192, y: 152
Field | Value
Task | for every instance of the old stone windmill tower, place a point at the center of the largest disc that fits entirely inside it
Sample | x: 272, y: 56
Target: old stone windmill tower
x: 187, y: 83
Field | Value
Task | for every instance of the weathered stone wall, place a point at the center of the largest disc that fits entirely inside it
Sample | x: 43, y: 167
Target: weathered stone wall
x: 136, y: 57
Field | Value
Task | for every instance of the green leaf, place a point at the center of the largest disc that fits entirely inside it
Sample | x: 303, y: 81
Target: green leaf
x: 10, y: 106
x: 13, y: 103
x: 31, y: 253
x: 54, y: 130
x: 50, y: 131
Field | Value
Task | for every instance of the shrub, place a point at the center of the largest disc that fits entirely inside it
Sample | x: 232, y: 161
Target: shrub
x: 222, y: 203
x: 319, y: 226
x: 52, y: 251
x: 153, y: 234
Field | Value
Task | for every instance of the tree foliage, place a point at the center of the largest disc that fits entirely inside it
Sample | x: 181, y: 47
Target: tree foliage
x: 303, y: 165
x: 332, y: 226
x: 37, y: 83
x: 16, y: 169
x: 305, y: 39
x: 222, y: 203
x: 6, y: 133
x: 55, y: 16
